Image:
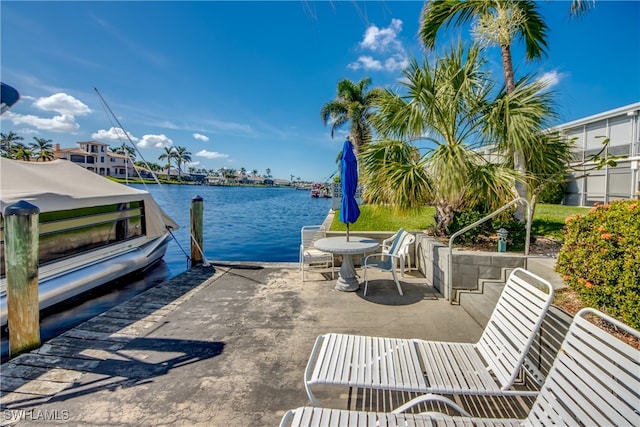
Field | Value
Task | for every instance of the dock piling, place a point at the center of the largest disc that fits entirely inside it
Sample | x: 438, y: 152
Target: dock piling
x: 196, y: 230
x: 21, y: 265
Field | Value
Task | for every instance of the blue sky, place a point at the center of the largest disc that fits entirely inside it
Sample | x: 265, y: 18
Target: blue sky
x: 241, y: 84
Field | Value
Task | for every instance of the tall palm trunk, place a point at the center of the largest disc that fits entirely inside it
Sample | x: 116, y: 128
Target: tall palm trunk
x: 518, y: 158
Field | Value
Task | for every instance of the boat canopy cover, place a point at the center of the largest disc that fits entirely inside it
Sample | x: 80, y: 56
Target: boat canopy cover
x: 61, y: 185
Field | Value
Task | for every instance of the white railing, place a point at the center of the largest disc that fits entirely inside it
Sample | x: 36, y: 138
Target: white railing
x: 475, y: 224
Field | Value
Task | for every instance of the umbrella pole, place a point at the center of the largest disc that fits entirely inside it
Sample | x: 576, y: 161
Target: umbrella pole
x: 347, y: 232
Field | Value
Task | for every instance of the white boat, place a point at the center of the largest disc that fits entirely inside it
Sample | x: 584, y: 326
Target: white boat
x: 92, y: 230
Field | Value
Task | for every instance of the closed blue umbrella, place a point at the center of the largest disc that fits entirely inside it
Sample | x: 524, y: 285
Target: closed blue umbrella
x: 349, y: 210
x: 8, y: 97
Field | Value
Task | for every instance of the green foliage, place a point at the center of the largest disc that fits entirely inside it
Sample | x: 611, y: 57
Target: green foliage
x: 553, y: 192
x: 517, y: 231
x: 463, y: 219
x: 601, y: 259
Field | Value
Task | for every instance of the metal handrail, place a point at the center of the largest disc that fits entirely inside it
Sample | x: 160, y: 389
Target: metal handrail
x: 475, y: 224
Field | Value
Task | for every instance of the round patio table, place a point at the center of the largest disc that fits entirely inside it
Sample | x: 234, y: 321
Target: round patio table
x: 347, y: 280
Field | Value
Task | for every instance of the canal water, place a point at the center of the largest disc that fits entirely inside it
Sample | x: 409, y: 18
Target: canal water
x: 240, y: 224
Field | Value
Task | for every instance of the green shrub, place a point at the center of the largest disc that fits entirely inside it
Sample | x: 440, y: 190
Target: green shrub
x: 553, y: 192
x: 463, y: 218
x: 600, y: 259
x: 517, y: 231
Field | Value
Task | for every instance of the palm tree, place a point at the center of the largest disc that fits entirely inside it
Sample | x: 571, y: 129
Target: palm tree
x: 8, y: 144
x: 182, y: 156
x: 23, y: 153
x: 497, y: 22
x: 168, y: 155
x: 517, y: 123
x: 41, y: 149
x: 268, y: 171
x: 125, y: 150
x: 444, y: 105
x: 354, y: 105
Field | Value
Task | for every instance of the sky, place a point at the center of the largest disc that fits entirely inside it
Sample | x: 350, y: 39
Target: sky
x: 240, y: 84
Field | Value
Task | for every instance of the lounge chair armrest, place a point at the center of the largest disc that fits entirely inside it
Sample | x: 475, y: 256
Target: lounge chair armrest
x: 430, y: 397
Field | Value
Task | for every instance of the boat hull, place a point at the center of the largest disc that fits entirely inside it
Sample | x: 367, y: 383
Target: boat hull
x: 58, y: 284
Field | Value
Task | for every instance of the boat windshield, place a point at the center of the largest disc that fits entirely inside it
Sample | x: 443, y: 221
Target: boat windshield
x: 68, y: 233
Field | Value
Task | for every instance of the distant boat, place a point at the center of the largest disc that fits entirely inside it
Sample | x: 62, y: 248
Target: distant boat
x: 92, y: 230
x: 319, y: 189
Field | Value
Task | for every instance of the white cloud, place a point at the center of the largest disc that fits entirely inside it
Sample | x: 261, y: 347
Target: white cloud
x: 201, y: 137
x: 396, y: 62
x: 383, y: 40
x: 386, y: 45
x: 63, y: 104
x: 366, y: 62
x: 192, y: 164
x: 211, y: 154
x: 550, y: 79
x: 113, y: 134
x: 61, y: 123
x: 155, y: 141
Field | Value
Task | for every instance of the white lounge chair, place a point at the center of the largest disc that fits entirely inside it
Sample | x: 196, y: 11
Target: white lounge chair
x: 309, y: 255
x: 388, y: 260
x: 594, y: 381
x: 488, y: 367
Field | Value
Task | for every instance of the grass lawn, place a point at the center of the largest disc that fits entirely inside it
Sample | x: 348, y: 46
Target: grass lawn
x: 384, y: 218
x: 548, y: 220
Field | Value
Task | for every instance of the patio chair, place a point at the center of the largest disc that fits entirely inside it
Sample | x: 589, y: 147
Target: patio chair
x: 405, y: 257
x: 389, y: 260
x: 488, y: 367
x: 594, y: 381
x: 309, y: 255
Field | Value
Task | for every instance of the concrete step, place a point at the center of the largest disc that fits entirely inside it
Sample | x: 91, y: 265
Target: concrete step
x: 478, y: 306
x: 545, y: 268
x: 491, y: 288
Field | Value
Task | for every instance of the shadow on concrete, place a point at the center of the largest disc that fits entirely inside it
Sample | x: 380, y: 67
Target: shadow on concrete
x: 139, y: 362
x: 385, y: 292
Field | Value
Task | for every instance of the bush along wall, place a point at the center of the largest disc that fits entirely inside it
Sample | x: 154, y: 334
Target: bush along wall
x: 600, y: 259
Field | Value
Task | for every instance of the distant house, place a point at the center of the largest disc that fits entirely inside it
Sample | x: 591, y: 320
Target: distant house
x: 255, y: 180
x: 214, y: 180
x: 173, y: 173
x: 198, y: 177
x: 96, y: 157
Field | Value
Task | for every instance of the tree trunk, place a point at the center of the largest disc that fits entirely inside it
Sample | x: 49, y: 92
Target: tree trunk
x: 444, y: 217
x: 518, y: 158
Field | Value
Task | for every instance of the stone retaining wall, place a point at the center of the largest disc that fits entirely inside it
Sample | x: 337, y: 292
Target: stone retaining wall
x: 468, y: 268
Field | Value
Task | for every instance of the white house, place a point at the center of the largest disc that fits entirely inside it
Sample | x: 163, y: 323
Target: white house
x: 622, y: 181
x: 96, y: 157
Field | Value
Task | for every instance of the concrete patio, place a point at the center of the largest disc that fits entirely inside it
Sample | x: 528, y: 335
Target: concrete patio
x: 215, y: 347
